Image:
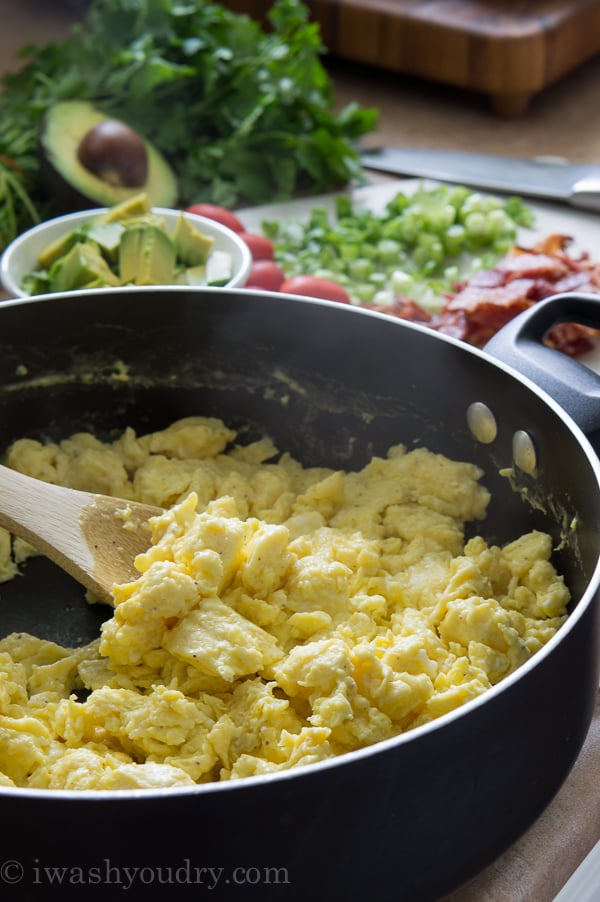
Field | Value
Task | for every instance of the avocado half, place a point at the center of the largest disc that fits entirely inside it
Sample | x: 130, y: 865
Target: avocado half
x: 73, y: 186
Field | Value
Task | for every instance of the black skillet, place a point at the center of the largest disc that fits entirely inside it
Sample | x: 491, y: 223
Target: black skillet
x: 411, y: 818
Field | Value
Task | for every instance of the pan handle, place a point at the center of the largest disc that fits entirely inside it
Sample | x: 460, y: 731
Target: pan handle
x: 520, y: 344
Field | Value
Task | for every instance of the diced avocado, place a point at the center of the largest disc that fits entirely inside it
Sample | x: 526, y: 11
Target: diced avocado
x: 108, y: 236
x: 130, y: 244
x: 196, y: 275
x: 146, y: 219
x: 146, y: 256
x: 83, y: 264
x: 95, y: 283
x: 56, y: 249
x: 219, y: 268
x: 191, y: 245
x: 138, y: 205
x: 36, y: 282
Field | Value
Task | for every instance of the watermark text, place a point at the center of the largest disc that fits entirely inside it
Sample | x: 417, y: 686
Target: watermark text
x: 124, y: 877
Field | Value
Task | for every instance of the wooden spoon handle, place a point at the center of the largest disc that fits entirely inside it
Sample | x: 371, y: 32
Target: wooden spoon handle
x: 95, y: 538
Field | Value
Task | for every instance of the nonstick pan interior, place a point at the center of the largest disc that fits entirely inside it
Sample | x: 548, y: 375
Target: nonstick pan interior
x: 331, y: 385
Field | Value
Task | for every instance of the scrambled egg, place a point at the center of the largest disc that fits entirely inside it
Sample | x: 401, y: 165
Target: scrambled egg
x: 282, y: 615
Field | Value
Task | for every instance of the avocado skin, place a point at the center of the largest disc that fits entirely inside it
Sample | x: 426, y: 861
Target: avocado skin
x: 69, y: 186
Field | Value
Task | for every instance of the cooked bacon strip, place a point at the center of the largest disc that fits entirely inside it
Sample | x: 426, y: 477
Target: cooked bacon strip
x: 552, y: 244
x: 571, y: 338
x: 486, y: 278
x: 472, y: 299
x: 490, y: 298
x: 533, y: 266
x: 403, y: 308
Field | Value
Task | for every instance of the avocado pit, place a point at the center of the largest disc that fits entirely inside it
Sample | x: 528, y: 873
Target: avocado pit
x: 115, y: 153
x: 70, y: 184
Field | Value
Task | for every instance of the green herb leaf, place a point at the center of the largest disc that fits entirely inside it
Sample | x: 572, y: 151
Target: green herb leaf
x: 243, y: 114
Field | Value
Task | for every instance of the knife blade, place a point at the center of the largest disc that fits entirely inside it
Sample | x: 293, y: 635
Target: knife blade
x: 577, y: 184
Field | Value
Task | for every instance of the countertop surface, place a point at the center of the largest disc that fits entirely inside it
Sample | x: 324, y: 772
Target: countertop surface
x: 562, y: 121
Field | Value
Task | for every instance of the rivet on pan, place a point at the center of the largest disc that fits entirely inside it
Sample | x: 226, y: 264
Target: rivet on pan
x: 524, y: 452
x: 482, y: 422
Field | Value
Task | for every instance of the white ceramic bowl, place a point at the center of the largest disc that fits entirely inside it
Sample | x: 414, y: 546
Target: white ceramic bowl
x: 21, y: 256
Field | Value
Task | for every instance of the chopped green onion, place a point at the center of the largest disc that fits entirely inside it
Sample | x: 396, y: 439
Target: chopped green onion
x: 419, y: 247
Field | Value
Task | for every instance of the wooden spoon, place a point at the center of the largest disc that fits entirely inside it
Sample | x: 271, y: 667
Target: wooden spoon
x: 95, y: 538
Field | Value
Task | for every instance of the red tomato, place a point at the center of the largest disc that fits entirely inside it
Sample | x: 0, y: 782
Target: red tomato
x: 218, y: 214
x: 265, y: 274
x: 315, y: 287
x: 260, y: 246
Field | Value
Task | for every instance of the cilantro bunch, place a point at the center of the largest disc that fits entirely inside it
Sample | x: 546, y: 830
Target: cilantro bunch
x: 243, y: 113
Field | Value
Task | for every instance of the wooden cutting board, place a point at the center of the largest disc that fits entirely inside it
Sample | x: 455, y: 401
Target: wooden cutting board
x: 509, y: 51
